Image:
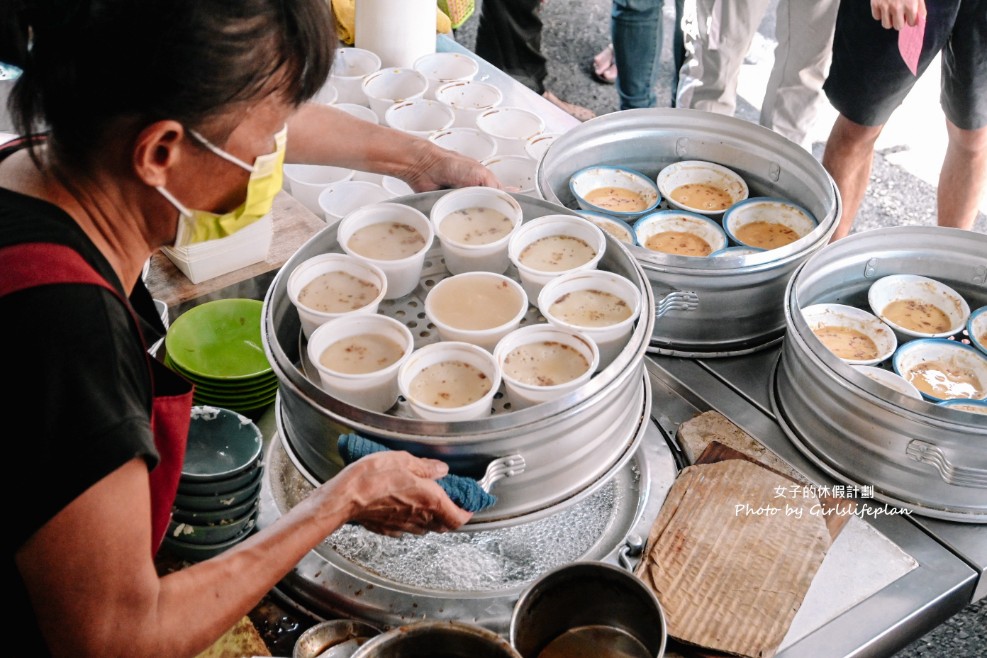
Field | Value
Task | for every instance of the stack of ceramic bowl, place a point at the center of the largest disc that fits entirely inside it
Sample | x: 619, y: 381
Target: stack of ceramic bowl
x: 218, y: 494
x: 217, y: 346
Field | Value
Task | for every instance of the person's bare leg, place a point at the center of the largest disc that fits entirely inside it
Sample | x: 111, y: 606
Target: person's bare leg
x: 848, y: 157
x: 963, y: 177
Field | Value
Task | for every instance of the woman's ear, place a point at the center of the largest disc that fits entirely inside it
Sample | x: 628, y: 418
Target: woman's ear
x: 157, y: 150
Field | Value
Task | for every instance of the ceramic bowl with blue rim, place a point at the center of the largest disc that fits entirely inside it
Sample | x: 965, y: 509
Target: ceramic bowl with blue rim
x: 943, y: 369
x: 767, y: 223
x: 976, y: 328
x: 619, y: 192
x: 679, y: 233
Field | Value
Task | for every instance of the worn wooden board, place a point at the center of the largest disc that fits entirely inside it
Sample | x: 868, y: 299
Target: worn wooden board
x: 731, y: 576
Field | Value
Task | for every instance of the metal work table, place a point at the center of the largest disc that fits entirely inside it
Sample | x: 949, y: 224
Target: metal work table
x: 951, y: 556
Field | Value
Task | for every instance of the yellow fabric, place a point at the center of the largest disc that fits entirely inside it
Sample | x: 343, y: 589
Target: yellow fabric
x: 345, y: 11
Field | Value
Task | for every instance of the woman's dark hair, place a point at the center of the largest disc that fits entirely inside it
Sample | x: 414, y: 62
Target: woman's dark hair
x: 89, y: 63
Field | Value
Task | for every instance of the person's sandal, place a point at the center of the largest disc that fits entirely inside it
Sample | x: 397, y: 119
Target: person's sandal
x: 578, y: 111
x: 604, y: 66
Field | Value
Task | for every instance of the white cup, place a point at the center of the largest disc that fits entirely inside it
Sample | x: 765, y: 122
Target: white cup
x: 403, y: 273
x: 550, y: 226
x: 327, y: 95
x: 468, y: 256
x: 468, y: 99
x: 466, y: 141
x: 374, y: 389
x: 420, y: 117
x: 536, y: 145
x: 511, y: 127
x: 389, y: 86
x: 550, y: 342
x: 443, y: 68
x: 359, y: 111
x: 610, y: 339
x: 312, y: 268
x: 395, y: 186
x: 306, y: 182
x: 478, y: 308
x: 348, y: 70
x: 456, y: 353
x: 340, y: 199
x: 515, y: 172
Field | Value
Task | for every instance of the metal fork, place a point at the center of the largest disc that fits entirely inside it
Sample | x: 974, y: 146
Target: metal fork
x: 679, y: 300
x: 502, y: 467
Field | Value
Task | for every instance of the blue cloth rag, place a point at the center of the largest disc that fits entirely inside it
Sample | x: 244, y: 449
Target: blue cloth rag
x: 465, y: 492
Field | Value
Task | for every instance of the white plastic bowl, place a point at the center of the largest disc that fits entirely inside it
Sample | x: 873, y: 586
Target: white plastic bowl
x: 615, y: 227
x: 701, y: 172
x: 900, y: 287
x: 818, y: 316
x: 466, y: 141
x: 548, y: 226
x: 511, y: 127
x: 468, y: 99
x: 770, y: 211
x: 524, y: 392
x: 342, y: 198
x: 376, y: 390
x: 891, y: 380
x: 441, y: 68
x: 403, y: 274
x: 311, y: 268
x: 587, y: 180
x: 679, y: 221
x: 536, y: 145
x: 468, y: 257
x: 949, y: 354
x: 445, y: 351
x: 484, y: 288
x: 610, y: 339
x: 420, y: 117
x: 515, y: 172
x: 389, y: 86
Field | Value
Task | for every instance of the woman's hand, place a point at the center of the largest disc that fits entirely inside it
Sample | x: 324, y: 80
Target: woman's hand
x: 393, y: 492
x: 436, y: 168
x: 897, y: 13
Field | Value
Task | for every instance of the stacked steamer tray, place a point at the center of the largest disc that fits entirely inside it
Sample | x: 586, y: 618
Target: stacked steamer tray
x: 217, y: 502
x: 587, y: 480
x: 218, y: 347
x: 722, y: 304
x: 916, y: 452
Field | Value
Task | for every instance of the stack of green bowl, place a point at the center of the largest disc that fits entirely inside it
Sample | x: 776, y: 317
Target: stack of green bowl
x: 219, y: 491
x: 217, y: 346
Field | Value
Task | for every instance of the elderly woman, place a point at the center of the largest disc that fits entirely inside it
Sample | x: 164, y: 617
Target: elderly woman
x: 158, y: 121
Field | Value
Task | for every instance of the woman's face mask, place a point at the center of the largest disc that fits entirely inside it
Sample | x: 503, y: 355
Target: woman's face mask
x: 266, y: 176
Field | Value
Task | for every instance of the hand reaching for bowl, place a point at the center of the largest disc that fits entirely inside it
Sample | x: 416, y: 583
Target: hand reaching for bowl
x: 394, y: 492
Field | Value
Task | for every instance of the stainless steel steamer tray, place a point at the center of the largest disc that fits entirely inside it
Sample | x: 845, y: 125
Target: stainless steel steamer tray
x: 925, y: 458
x: 741, y: 299
x: 568, y: 444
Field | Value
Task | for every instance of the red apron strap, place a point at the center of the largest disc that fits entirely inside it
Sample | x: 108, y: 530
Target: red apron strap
x: 35, y: 264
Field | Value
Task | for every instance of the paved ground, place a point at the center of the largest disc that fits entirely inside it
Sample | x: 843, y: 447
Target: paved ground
x: 902, y: 188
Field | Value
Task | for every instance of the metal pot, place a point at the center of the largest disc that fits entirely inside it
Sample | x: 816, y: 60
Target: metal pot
x: 437, y: 639
x: 568, y: 444
x: 740, y: 307
x: 587, y: 604
x: 916, y: 455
